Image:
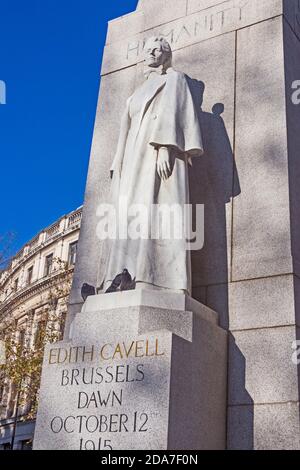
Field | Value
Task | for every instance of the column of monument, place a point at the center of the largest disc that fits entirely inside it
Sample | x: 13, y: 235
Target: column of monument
x: 100, y: 385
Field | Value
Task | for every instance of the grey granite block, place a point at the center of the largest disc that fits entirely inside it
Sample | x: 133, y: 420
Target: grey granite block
x: 261, y: 220
x: 261, y: 369
x: 264, y: 427
x: 126, y: 381
x: 262, y: 303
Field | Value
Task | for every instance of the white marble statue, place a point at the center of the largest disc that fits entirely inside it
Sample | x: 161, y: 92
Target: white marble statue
x: 159, y: 136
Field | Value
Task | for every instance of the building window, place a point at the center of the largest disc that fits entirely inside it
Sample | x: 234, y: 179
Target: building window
x: 16, y: 284
x: 48, y: 265
x: 62, y: 323
x: 12, y: 401
x: 72, y: 253
x: 22, y: 339
x: 39, y: 334
x: 29, y: 275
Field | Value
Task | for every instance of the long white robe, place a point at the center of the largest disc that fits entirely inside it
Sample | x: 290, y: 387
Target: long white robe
x: 160, y: 113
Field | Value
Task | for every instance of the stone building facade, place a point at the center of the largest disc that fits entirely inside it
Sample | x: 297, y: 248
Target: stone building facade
x: 24, y: 294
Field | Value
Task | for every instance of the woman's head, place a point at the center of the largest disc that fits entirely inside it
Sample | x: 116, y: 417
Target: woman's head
x: 158, y: 52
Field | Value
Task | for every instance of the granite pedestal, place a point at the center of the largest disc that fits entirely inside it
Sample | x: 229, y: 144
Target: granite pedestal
x: 142, y: 370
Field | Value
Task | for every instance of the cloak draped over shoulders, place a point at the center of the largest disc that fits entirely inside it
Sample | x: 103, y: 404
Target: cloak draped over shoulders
x: 160, y: 113
x: 176, y: 123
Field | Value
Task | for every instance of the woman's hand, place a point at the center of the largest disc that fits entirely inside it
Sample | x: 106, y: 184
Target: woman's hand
x: 163, y: 166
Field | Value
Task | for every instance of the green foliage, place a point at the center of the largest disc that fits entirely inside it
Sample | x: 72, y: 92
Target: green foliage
x: 25, y: 342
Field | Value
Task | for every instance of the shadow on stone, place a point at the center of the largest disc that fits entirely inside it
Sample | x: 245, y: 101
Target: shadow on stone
x: 198, y: 398
x: 240, y: 418
x: 213, y: 182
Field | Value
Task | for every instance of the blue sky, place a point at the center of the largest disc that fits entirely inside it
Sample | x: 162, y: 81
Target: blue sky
x: 50, y: 57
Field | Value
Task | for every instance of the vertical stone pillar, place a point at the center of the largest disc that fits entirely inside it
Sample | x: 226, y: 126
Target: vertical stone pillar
x: 264, y: 288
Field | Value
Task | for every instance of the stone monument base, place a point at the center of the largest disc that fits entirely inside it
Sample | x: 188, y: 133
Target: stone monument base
x: 143, y: 370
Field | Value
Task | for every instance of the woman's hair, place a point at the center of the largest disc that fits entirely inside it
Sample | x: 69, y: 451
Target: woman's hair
x: 165, y: 47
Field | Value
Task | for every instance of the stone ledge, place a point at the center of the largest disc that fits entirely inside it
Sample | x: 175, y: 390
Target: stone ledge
x: 148, y: 298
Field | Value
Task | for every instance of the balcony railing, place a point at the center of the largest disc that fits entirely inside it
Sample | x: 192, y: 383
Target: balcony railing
x: 74, y: 219
x: 33, y: 244
x: 52, y: 231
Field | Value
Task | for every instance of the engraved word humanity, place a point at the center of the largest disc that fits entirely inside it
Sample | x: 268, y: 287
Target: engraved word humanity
x: 210, y: 20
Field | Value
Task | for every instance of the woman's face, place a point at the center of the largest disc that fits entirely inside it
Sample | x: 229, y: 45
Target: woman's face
x: 154, y: 54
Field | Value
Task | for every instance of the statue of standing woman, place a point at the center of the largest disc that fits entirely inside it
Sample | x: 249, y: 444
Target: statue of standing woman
x: 159, y: 137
